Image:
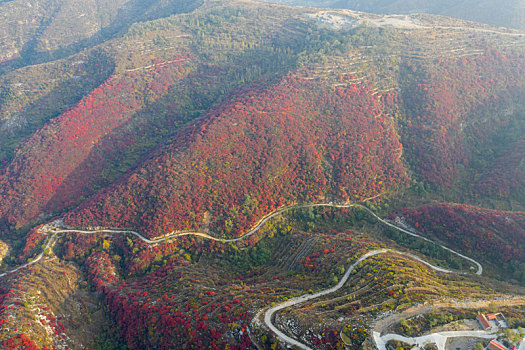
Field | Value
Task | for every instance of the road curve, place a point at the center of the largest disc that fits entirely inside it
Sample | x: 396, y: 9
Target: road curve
x: 50, y: 241
x: 478, y: 265
x: 256, y: 227
x: 297, y: 300
x: 268, y: 315
x: 270, y: 312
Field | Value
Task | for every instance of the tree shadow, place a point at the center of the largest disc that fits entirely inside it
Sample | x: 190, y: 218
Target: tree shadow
x: 129, y: 145
x: 146, y: 131
x: 99, y: 67
x: 132, y: 12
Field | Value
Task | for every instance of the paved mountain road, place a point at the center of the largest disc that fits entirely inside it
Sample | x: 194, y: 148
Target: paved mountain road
x: 172, y: 235
x: 303, y: 298
x: 54, y: 231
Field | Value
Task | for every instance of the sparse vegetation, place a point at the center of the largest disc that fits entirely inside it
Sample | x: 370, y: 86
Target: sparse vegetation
x: 174, y: 116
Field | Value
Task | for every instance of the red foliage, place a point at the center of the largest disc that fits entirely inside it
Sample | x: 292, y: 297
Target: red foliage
x: 101, y: 270
x: 495, y: 235
x: 295, y: 141
x: 20, y: 342
x: 150, y: 318
x: 34, y: 242
x: 507, y: 175
x: 65, y: 159
x: 444, y: 110
x: 4, y: 296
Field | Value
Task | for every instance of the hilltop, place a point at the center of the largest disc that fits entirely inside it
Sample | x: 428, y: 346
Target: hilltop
x: 178, y: 176
x: 507, y: 13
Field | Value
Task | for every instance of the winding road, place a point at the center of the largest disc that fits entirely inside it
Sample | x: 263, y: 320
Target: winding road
x: 291, y: 302
x: 256, y: 227
x: 303, y: 298
x: 49, y: 242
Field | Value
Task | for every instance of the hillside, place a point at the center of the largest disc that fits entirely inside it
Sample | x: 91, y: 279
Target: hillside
x: 164, y: 84
x: 251, y: 175
x: 294, y: 141
x: 156, y: 84
x: 440, y: 132
x: 452, y: 108
x: 507, y: 13
x: 262, y: 143
x: 44, y: 30
x: 491, y: 235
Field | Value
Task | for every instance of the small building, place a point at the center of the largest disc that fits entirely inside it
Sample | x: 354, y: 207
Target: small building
x: 498, y: 319
x: 495, y: 345
x: 489, y: 321
x: 484, y: 322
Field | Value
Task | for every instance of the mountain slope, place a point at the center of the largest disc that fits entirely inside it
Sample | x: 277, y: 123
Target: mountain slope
x: 506, y: 13
x: 212, y: 119
x: 43, y: 160
x: 291, y: 142
x: 42, y: 30
x: 187, y: 63
x: 153, y: 90
x: 454, y: 106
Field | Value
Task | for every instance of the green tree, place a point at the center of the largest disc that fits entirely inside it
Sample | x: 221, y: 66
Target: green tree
x: 478, y: 346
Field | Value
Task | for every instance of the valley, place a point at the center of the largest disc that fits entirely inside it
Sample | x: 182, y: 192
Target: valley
x: 52, y: 233
x: 246, y: 175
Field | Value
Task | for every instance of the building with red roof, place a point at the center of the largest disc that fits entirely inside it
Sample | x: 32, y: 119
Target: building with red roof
x: 495, y: 345
x: 484, y: 322
x: 496, y: 320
